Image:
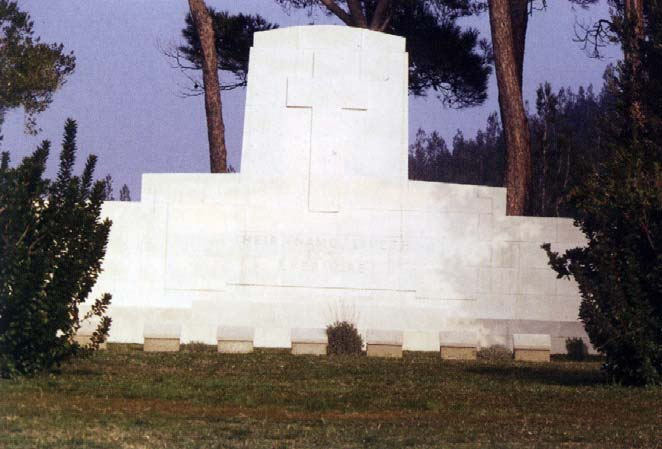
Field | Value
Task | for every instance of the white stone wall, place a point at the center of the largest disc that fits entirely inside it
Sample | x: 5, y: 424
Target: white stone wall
x: 323, y: 224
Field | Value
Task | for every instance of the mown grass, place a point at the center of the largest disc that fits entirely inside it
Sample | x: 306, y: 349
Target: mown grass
x: 124, y: 398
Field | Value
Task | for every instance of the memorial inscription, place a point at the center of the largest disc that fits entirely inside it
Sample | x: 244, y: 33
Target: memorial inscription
x: 329, y: 256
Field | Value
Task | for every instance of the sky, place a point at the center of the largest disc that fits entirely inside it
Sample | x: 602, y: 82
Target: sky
x: 125, y: 96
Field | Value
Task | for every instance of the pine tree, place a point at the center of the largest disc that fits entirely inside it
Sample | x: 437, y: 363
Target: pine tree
x: 30, y: 70
x: 108, y: 189
x: 125, y: 193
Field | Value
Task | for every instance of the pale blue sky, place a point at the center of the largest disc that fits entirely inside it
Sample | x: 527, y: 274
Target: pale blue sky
x: 124, y: 94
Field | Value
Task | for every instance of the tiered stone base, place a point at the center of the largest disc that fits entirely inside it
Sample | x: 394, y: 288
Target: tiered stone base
x: 309, y: 348
x: 235, y: 347
x: 458, y: 353
x: 532, y: 355
x: 389, y: 351
x: 161, y: 345
x: 85, y: 340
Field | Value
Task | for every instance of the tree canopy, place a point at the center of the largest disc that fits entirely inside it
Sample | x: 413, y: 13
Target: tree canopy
x: 568, y: 142
x: 446, y: 60
x: 233, y: 38
x: 30, y: 70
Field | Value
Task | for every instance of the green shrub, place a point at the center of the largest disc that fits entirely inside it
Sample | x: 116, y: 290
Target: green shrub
x: 619, y: 271
x: 344, y: 339
x: 495, y: 353
x: 576, y: 349
x: 50, y: 257
x: 619, y: 210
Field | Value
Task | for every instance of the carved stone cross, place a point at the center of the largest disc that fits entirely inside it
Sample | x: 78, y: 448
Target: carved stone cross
x: 327, y: 98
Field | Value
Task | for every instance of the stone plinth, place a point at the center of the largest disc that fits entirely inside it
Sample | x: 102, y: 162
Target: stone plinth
x: 383, y: 343
x: 85, y: 339
x: 84, y: 335
x: 234, y: 340
x: 309, y: 341
x: 532, y: 347
x: 161, y: 338
x: 458, y: 345
x: 457, y: 353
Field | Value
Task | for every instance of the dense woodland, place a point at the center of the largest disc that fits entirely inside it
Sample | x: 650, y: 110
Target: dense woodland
x: 567, y: 145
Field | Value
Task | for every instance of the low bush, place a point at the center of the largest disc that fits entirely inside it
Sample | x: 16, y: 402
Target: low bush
x: 344, y: 339
x: 576, y: 349
x: 495, y: 353
x: 197, y: 346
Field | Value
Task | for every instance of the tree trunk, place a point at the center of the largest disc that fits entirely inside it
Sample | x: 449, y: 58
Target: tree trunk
x: 513, y: 117
x: 634, y: 34
x: 381, y: 16
x: 356, y: 12
x: 356, y: 17
x: 519, y: 20
x: 213, y: 107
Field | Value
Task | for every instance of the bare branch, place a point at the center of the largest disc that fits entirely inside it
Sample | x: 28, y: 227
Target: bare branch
x: 584, y: 4
x: 356, y: 11
x: 177, y: 60
x: 594, y: 37
x: 385, y: 24
x: 380, y: 19
x: 535, y: 7
x: 343, y: 15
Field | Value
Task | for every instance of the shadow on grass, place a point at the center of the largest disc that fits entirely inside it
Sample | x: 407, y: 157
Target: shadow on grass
x: 125, y: 347
x: 552, y: 374
x: 84, y: 371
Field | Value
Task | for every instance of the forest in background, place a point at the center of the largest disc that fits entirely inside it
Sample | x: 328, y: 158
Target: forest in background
x: 567, y: 145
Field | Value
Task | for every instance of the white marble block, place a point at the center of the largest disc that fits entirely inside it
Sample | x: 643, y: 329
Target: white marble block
x: 161, y: 337
x: 309, y: 341
x: 420, y: 341
x: 234, y: 340
x: 384, y: 343
x: 272, y: 338
x: 532, y: 347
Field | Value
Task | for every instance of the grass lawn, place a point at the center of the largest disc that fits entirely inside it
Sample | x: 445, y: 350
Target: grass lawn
x: 124, y: 398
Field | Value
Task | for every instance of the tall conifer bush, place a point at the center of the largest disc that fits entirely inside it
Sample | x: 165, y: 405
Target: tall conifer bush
x: 619, y: 209
x: 51, y: 246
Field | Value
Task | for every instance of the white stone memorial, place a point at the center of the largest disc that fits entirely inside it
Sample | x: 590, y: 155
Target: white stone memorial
x: 323, y: 218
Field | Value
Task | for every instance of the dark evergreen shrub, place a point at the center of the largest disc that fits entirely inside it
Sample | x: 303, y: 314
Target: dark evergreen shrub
x: 576, y: 349
x: 51, y: 249
x: 619, y: 209
x: 344, y: 339
x: 619, y: 272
